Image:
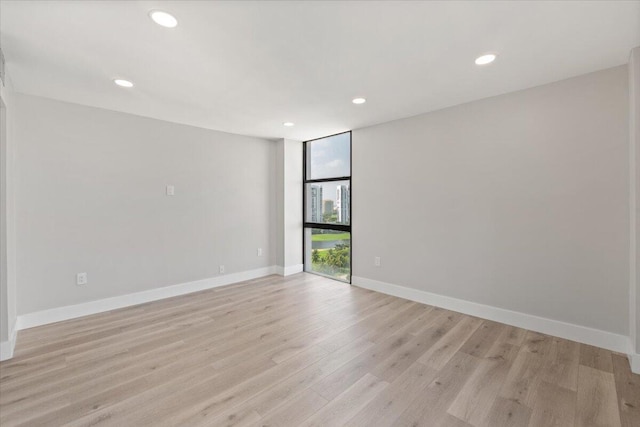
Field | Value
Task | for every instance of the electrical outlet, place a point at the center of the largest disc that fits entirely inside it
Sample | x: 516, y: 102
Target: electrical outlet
x: 171, y: 190
x: 81, y: 279
x: 376, y: 261
x: 222, y: 269
x: 259, y: 251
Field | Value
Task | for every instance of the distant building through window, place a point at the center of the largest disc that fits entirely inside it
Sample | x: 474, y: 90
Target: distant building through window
x: 316, y: 203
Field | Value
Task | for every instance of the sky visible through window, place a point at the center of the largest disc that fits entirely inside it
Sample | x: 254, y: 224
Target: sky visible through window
x: 330, y: 158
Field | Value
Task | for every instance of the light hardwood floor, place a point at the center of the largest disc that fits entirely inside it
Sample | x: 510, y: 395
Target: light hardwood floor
x: 307, y: 351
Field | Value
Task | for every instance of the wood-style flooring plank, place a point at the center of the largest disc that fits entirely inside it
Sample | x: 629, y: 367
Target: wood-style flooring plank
x: 506, y: 413
x: 483, y: 338
x: 394, y: 400
x: 597, y: 402
x: 554, y: 406
x: 438, y: 355
x: 347, y: 404
x: 627, y: 390
x: 481, y: 390
x: 306, y: 350
x: 596, y: 358
x: 296, y: 410
x: 429, y: 407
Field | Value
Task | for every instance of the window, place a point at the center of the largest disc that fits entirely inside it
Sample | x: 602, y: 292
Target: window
x: 327, y: 206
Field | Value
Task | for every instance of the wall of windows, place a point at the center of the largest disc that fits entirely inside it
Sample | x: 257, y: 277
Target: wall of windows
x: 327, y: 206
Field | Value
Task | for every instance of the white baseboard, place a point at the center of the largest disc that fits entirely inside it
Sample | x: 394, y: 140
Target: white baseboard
x: 59, y: 314
x: 582, y: 334
x: 288, y: 271
x: 634, y: 362
x: 6, y: 347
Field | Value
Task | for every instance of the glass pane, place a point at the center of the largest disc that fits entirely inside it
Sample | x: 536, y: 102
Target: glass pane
x: 329, y: 202
x: 329, y: 157
x: 328, y: 252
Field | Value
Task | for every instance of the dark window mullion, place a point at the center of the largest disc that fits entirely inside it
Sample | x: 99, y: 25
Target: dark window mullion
x: 315, y: 181
x: 328, y: 226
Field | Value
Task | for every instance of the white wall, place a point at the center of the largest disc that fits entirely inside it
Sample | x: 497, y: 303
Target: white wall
x: 634, y: 196
x: 7, y: 225
x: 4, y: 319
x: 518, y: 201
x: 91, y: 198
x: 289, y: 206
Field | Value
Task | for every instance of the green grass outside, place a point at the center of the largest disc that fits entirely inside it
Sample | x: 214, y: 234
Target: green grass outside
x: 330, y: 237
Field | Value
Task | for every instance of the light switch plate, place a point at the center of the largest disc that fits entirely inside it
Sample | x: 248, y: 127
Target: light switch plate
x: 81, y: 279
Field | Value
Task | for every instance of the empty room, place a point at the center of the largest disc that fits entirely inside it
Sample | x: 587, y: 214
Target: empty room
x: 319, y: 213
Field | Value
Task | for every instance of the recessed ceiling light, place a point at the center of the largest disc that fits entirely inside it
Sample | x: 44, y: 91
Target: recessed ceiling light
x: 163, y: 18
x: 359, y: 100
x: 123, y: 83
x: 288, y: 124
x: 486, y: 59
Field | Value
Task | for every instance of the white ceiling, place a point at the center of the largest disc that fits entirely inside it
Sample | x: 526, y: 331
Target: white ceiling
x: 247, y: 67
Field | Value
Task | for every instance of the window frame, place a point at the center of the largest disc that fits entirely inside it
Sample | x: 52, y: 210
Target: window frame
x: 327, y: 226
